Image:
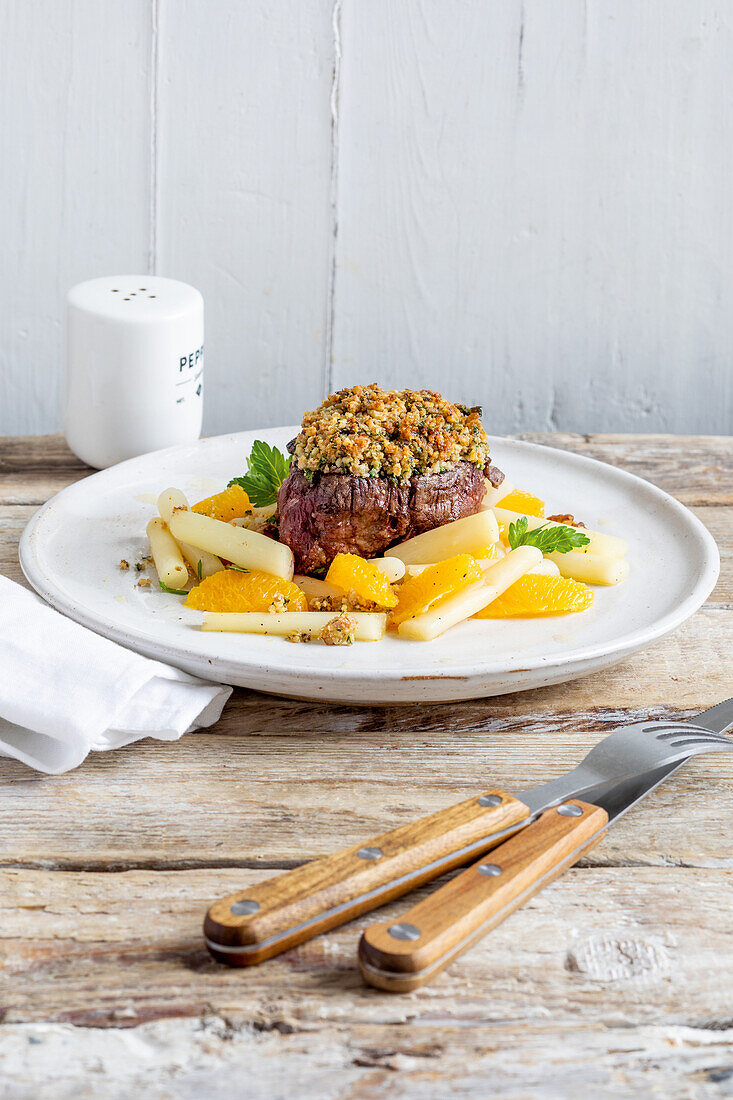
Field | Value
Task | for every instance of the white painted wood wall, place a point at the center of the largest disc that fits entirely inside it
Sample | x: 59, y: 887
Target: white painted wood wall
x: 525, y: 203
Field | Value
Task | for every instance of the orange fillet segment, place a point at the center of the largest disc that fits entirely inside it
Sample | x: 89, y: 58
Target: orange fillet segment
x: 536, y: 594
x: 445, y: 578
x: 232, y: 503
x: 230, y: 590
x: 351, y: 573
x: 527, y: 503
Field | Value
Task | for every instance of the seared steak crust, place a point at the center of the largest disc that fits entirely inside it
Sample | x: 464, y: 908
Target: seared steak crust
x: 344, y: 514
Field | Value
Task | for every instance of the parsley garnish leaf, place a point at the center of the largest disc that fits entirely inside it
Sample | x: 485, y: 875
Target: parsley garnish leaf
x: 200, y: 570
x: 267, y: 468
x: 557, y: 539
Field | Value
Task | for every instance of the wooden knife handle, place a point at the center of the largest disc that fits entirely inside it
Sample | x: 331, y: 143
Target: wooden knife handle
x: 407, y: 953
x: 265, y: 919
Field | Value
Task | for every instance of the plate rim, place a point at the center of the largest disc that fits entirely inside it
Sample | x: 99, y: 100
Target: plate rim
x: 624, y: 644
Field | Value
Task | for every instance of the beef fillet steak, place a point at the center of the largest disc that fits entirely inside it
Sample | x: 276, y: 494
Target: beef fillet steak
x: 344, y: 514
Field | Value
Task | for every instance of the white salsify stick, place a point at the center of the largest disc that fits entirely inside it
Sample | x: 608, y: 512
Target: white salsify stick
x: 591, y: 568
x: 393, y: 568
x: 369, y: 625
x: 316, y: 589
x: 460, y: 537
x: 202, y: 563
x: 247, y: 549
x: 170, y: 566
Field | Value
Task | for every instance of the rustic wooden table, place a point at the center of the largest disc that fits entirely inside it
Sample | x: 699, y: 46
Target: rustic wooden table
x: 615, y: 981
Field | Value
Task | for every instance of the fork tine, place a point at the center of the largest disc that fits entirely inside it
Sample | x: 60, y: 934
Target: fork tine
x: 705, y: 735
x: 630, y: 751
x: 709, y: 741
x: 654, y: 727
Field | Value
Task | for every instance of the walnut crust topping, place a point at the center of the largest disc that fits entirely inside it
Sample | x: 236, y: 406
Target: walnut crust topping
x: 371, y: 432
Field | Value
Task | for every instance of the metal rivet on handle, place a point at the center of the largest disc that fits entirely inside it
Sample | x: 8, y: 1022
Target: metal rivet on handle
x: 369, y: 853
x: 568, y: 810
x: 490, y: 800
x: 489, y: 869
x: 244, y: 908
x: 404, y: 932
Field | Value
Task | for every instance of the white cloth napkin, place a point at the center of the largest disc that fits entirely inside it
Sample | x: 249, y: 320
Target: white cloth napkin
x: 65, y: 691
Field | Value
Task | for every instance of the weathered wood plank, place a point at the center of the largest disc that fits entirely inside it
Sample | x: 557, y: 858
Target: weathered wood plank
x: 697, y: 469
x: 33, y: 468
x: 283, y: 805
x: 719, y: 522
x: 13, y: 519
x: 126, y: 948
x: 217, y: 1056
x: 279, y: 781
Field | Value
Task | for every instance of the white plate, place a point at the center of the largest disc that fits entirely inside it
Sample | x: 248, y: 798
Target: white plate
x: 71, y: 549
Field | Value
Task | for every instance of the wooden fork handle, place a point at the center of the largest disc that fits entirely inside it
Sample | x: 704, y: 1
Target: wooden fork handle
x: 257, y: 923
x: 407, y: 953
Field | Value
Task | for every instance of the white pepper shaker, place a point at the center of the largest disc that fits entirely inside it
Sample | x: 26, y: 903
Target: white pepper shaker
x: 135, y: 367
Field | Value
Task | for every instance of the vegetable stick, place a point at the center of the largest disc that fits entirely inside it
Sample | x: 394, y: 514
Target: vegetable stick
x: 247, y: 549
x: 416, y: 570
x: 493, y: 496
x: 460, y: 537
x: 591, y: 568
x: 548, y: 568
x: 608, y: 545
x: 393, y: 568
x: 476, y: 597
x: 370, y: 625
x: 202, y: 563
x: 168, y: 501
x: 316, y: 589
x: 171, y: 568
